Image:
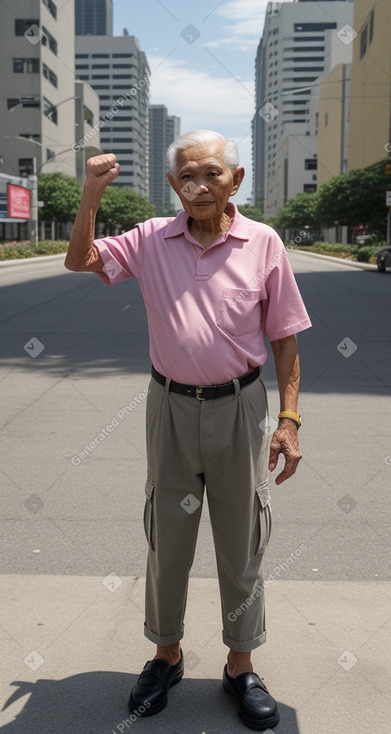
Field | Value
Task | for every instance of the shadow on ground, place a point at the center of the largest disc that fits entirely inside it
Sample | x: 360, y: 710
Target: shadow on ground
x: 95, y: 703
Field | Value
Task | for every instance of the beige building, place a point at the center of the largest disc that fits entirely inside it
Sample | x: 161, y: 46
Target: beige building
x: 333, y: 123
x: 370, y: 105
x: 37, y: 86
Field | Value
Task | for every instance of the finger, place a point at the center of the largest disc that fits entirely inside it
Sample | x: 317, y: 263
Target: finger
x: 288, y: 470
x: 101, y: 164
x: 275, y: 450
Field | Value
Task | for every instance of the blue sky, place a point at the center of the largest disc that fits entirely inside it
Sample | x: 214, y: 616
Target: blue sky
x: 206, y: 76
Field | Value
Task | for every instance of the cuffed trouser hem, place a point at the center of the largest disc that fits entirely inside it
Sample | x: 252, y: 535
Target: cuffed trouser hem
x: 165, y: 640
x: 246, y: 645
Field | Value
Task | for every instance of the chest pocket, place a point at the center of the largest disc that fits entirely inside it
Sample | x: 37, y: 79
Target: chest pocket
x: 240, y: 311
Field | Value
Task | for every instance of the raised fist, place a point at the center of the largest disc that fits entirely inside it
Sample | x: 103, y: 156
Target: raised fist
x: 101, y: 171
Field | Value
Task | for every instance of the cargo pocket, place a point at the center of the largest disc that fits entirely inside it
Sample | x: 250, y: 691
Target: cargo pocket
x: 148, y: 511
x: 264, y: 516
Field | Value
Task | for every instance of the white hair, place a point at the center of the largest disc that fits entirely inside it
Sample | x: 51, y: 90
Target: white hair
x: 195, y: 137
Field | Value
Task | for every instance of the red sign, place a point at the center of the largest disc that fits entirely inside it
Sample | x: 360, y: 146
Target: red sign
x: 18, y: 202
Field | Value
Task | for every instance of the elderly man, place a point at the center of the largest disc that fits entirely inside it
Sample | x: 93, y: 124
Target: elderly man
x: 214, y: 284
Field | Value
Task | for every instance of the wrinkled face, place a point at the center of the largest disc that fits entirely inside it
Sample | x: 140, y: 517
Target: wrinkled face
x: 203, y: 180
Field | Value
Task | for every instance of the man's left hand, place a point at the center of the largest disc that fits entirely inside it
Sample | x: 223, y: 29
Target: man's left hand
x: 285, y: 441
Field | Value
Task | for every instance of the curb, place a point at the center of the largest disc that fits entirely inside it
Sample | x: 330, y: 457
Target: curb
x: 28, y: 260
x: 340, y: 260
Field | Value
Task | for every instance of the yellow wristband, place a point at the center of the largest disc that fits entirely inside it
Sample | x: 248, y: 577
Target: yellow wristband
x: 290, y: 414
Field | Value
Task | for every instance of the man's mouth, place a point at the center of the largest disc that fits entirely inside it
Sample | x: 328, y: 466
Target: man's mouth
x: 203, y: 203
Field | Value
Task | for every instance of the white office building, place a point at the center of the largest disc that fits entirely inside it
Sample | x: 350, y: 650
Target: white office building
x: 118, y: 71
x: 301, y: 42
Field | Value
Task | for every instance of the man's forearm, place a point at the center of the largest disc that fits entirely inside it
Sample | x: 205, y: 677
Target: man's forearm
x: 101, y: 170
x: 287, y: 371
x: 82, y: 255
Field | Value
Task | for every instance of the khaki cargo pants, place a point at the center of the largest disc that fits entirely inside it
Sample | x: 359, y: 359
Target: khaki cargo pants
x: 217, y: 445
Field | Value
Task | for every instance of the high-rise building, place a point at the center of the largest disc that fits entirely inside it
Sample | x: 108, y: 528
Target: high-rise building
x: 163, y: 130
x: 370, y: 103
x: 37, y: 87
x: 94, y: 17
x: 301, y: 41
x: 118, y: 71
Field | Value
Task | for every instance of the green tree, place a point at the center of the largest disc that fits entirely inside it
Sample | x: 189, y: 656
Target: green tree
x: 61, y: 196
x: 123, y: 208
x: 251, y: 212
x: 356, y: 198
x: 300, y: 212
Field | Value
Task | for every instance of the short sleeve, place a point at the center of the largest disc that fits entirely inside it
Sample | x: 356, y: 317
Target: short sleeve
x: 122, y: 256
x: 283, y: 310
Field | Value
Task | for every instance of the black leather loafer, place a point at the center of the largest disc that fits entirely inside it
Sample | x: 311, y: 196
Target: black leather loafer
x: 258, y: 709
x: 150, y: 694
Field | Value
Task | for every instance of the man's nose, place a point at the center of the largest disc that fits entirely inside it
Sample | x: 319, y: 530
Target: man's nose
x: 203, y: 187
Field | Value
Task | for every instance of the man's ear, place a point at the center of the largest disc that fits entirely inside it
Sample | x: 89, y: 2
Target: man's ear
x: 172, y: 181
x: 237, y: 179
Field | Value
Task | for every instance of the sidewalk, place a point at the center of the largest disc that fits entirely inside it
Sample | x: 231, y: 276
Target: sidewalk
x: 90, y: 648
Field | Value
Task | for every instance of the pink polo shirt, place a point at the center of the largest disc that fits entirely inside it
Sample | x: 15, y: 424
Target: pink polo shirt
x: 208, y: 309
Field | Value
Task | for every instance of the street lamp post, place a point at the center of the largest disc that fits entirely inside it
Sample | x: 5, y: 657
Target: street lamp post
x: 33, y: 179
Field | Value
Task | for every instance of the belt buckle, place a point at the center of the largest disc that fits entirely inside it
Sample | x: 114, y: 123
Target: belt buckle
x: 199, y: 393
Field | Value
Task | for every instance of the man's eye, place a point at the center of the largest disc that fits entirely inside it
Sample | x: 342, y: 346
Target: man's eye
x: 214, y: 174
x: 186, y: 175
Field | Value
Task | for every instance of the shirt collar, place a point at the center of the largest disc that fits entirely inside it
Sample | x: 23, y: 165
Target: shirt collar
x: 238, y: 228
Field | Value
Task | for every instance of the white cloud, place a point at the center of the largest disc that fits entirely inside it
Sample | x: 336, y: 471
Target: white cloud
x: 246, y: 28
x: 200, y: 99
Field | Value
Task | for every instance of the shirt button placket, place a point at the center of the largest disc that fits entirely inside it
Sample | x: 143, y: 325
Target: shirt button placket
x: 202, y: 267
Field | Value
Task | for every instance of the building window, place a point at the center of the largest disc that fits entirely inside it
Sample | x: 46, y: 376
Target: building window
x: 48, y: 40
x: 363, y: 41
x: 306, y: 27
x: 121, y: 76
x: 309, y: 188
x: 311, y: 164
x: 26, y: 166
x: 100, y: 56
x: 101, y: 76
x: 30, y: 136
x: 82, y: 56
x: 49, y: 110
x: 50, y: 154
x: 81, y: 66
x: 122, y: 56
x: 82, y: 77
x: 23, y: 102
x: 52, y: 8
x: 302, y: 39
x: 22, y: 25
x: 100, y: 66
x: 124, y: 66
x: 49, y: 75
x: 26, y: 66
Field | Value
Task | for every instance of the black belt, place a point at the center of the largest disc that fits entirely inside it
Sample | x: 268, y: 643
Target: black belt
x: 206, y: 392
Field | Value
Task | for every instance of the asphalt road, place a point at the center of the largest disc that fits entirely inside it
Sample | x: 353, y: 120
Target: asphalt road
x: 84, y: 514
x: 74, y: 360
